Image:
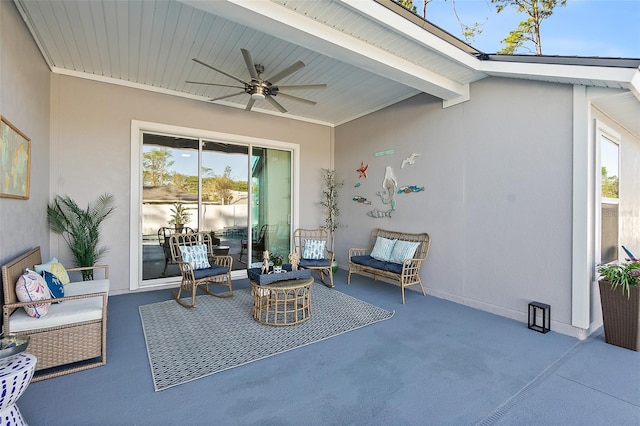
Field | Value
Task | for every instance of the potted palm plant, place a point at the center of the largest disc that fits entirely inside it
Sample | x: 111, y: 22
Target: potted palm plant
x: 80, y: 228
x: 179, y: 216
x: 620, y: 298
x: 329, y: 204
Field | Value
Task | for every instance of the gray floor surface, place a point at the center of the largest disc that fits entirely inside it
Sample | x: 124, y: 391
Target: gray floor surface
x: 434, y: 363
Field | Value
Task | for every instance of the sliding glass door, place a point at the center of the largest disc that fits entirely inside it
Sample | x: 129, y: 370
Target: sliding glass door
x: 196, y: 184
x: 271, y: 207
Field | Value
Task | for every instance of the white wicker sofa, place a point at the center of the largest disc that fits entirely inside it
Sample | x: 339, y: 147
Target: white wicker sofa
x: 72, y: 336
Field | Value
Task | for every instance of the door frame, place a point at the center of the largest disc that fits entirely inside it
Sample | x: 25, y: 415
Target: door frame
x: 135, y: 211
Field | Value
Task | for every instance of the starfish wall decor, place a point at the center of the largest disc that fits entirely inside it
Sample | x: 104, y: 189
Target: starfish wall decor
x: 362, y: 171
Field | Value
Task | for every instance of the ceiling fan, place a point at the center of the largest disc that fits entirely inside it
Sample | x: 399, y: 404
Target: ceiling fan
x: 259, y: 88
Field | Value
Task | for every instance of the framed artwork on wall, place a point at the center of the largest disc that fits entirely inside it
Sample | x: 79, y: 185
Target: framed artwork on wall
x: 15, y: 161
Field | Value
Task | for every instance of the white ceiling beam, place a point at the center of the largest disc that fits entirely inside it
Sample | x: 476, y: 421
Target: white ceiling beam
x: 278, y: 21
x: 399, y: 24
x: 584, y: 74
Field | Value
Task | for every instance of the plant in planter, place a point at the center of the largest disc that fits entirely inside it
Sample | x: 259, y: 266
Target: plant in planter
x: 329, y: 204
x: 277, y: 260
x: 81, y: 228
x: 620, y: 296
x: 179, y: 216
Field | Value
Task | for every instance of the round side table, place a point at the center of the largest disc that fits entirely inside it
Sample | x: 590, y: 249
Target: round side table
x: 15, y: 375
x: 282, y: 302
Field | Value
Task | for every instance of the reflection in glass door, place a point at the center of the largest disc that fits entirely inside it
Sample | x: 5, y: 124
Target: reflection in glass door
x: 185, y: 189
x: 271, y: 202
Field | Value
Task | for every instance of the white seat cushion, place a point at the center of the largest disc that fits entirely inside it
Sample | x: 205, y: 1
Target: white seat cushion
x: 67, y: 312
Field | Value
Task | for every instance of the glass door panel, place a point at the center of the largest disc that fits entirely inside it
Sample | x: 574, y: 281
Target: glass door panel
x: 271, y: 203
x: 224, y: 205
x: 169, y: 199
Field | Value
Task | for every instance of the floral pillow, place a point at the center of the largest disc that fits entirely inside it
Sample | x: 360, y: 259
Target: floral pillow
x: 196, y: 255
x: 314, y: 249
x: 31, y: 287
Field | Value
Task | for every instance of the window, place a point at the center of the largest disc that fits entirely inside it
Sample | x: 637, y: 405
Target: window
x: 609, y: 194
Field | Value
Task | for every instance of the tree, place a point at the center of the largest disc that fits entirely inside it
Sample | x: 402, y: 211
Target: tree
x: 407, y: 4
x: 609, y: 184
x: 529, y: 29
x: 468, y: 32
x: 155, y: 165
x: 223, y: 185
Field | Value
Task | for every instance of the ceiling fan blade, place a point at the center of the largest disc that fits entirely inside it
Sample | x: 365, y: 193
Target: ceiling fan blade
x: 250, y: 104
x: 295, y: 98
x: 213, y: 84
x: 276, y: 104
x: 216, y: 69
x: 227, y: 96
x: 303, y: 87
x: 287, y: 71
x: 250, y: 64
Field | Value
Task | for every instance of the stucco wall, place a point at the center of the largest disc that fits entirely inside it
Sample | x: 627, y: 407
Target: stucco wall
x: 90, y: 150
x: 497, y: 201
x: 24, y: 101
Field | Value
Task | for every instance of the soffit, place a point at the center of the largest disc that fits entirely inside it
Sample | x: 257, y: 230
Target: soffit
x: 150, y: 45
x: 371, y: 54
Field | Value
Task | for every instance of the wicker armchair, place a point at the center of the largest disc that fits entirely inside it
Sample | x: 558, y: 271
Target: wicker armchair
x: 321, y: 265
x: 218, y: 272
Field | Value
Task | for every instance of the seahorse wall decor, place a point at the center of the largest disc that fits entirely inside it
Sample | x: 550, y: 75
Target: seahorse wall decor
x: 389, y: 185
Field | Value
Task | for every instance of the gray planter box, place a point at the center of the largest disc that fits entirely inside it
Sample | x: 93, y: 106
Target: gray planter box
x: 264, y: 279
x: 621, y: 316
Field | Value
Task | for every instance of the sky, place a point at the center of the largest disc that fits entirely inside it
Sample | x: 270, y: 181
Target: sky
x: 605, y: 28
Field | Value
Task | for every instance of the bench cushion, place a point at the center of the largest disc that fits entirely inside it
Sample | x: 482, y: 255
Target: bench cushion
x: 369, y: 261
x: 314, y: 263
x: 69, y: 312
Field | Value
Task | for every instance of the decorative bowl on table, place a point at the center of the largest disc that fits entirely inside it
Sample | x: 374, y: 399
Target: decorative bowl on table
x: 13, y: 344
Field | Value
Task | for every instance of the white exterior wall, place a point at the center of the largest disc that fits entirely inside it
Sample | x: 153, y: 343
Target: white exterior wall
x: 497, y: 172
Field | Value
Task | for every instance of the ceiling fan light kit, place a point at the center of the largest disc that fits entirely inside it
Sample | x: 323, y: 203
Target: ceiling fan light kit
x: 262, y: 89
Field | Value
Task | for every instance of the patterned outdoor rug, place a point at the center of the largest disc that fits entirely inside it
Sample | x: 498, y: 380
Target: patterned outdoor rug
x: 219, y: 334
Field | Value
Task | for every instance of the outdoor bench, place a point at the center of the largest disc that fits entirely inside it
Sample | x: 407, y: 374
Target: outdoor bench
x: 72, y: 336
x: 394, y: 255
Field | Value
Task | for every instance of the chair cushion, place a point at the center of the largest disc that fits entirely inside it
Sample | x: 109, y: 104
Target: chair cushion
x: 377, y: 264
x: 403, y: 250
x: 313, y: 249
x: 382, y: 248
x: 196, y: 255
x: 55, y: 285
x: 211, y: 271
x: 314, y: 263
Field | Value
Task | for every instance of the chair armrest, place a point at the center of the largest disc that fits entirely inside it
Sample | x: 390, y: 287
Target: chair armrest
x: 330, y: 255
x: 224, y: 261
x: 357, y: 252
x: 104, y: 295
x: 104, y: 268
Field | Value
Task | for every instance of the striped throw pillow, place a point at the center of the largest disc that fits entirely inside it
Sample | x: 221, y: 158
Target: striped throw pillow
x: 382, y: 248
x: 403, y: 250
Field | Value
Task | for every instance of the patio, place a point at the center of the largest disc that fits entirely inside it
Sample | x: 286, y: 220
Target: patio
x: 435, y: 362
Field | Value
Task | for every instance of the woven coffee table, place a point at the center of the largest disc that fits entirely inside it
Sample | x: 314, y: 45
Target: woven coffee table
x: 282, y: 302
